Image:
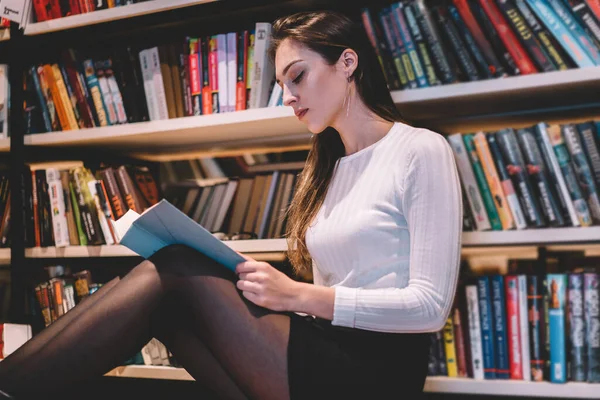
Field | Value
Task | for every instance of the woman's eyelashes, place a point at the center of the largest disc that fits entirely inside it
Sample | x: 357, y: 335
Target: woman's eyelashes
x: 298, y: 78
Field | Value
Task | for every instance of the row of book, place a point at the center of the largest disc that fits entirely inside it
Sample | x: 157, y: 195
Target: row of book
x: 195, y: 76
x: 4, y: 101
x: 45, y: 10
x: 535, y: 177
x: 423, y: 43
x: 532, y: 327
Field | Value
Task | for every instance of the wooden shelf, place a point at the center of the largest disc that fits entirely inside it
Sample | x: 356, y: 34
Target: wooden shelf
x: 434, y: 384
x: 181, y: 137
x: 4, y: 34
x: 498, y: 103
x: 111, y: 14
x: 4, y: 145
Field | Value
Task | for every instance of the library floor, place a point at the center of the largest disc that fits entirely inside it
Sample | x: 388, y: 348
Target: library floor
x: 149, y: 389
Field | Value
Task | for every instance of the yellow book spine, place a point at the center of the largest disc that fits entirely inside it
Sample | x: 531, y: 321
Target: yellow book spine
x: 491, y: 176
x: 450, y: 348
x: 56, y: 98
x: 64, y: 97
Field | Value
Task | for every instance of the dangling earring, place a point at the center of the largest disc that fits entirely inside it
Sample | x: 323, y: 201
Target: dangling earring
x: 347, y: 98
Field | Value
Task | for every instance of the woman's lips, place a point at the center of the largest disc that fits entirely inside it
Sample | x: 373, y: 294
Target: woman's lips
x: 302, y: 113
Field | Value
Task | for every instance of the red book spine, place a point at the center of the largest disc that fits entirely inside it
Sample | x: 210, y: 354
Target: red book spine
x: 459, y: 340
x: 240, y: 94
x: 204, y: 51
x: 54, y: 9
x: 595, y: 7
x: 513, y: 330
x: 41, y: 11
x: 213, y: 68
x: 511, y: 42
x: 74, y: 7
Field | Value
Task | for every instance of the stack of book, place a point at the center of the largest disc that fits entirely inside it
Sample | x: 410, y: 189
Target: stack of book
x: 427, y: 43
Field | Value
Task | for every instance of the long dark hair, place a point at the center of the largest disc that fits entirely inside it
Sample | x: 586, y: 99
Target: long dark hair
x: 328, y: 33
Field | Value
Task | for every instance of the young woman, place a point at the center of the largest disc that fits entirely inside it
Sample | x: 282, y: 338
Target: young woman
x: 377, y: 215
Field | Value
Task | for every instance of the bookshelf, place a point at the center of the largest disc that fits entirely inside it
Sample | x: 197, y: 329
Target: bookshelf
x: 4, y: 34
x: 432, y: 385
x: 4, y: 256
x: 4, y: 145
x: 108, y: 15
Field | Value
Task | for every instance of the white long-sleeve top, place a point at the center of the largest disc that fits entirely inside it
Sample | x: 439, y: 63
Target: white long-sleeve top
x: 388, y: 234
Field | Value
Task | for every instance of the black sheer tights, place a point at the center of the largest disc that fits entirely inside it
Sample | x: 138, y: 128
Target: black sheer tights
x: 182, y: 298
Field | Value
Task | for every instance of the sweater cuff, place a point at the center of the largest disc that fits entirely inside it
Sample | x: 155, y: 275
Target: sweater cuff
x: 344, y: 306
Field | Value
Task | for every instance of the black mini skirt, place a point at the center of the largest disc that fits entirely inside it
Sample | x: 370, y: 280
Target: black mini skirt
x: 331, y: 362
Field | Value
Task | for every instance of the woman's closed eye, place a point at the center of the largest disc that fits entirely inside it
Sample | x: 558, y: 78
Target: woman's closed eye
x: 298, y: 78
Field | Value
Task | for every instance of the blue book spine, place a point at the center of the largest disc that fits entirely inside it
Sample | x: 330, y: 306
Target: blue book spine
x: 591, y: 295
x: 560, y: 31
x: 410, y: 45
x: 577, y: 347
x: 584, y: 40
x: 557, y: 288
x: 487, y: 331
x: 499, y: 311
x: 403, y: 49
x: 41, y: 99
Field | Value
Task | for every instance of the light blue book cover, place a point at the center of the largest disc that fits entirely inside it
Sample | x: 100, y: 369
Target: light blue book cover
x: 557, y: 290
x: 162, y: 225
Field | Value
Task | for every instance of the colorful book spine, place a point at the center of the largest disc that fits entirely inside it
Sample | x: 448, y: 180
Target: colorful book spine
x: 421, y: 46
x: 488, y: 340
x: 591, y: 295
x: 537, y: 173
x: 41, y: 100
x: 498, y: 304
x: 555, y: 25
x: 587, y: 19
x: 459, y: 342
x: 557, y: 286
x: 241, y: 69
x: 577, y: 345
x: 588, y: 140
x: 384, y: 17
x: 194, y: 76
x: 474, y: 325
x: 536, y: 327
x: 555, y: 53
x: 515, y: 166
x: 513, y: 325
x: 493, y: 180
x: 524, y: 327
x: 450, y: 348
x: 583, y: 172
x: 411, y: 50
x: 96, y: 94
x: 467, y: 178
x: 402, y: 49
x: 507, y: 185
x: 556, y: 176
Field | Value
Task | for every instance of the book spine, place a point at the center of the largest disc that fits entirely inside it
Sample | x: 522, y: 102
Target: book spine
x: 263, y: 69
x: 241, y: 68
x: 529, y: 41
x: 513, y: 327
x: 213, y: 69
x: 556, y: 322
x: 470, y: 44
x: 250, y: 70
x: 195, y: 77
x: 499, y: 312
x: 432, y: 362
x: 444, y: 65
x: 441, y: 353
x: 57, y: 204
x: 459, y: 340
x: 384, y: 17
x: 397, y: 10
x: 454, y: 41
x: 588, y: 20
x: 72, y: 99
x: 524, y: 327
x: 450, y: 348
x: 231, y: 70
x: 536, y: 327
x: 576, y: 323
x: 544, y: 37
x: 94, y: 88
x: 487, y: 327
x: 467, y: 178
x: 115, y: 93
x: 540, y: 182
x: 484, y: 189
x: 509, y: 39
x: 158, y: 84
x: 78, y: 88
x: 507, y: 185
x: 560, y: 31
x: 185, y: 78
x: 487, y: 163
x: 41, y: 99
x: 222, y: 72
x: 507, y: 142
x: 69, y: 212
x: 595, y: 7
x: 57, y: 99
x: 401, y: 50
x: 421, y: 46
x: 114, y: 196
x: 102, y: 221
x: 128, y: 190
x: 583, y: 172
x: 82, y: 237
x: 578, y: 32
x: 591, y: 287
x: 106, y: 94
x: 475, y: 341
x: 89, y: 219
x: 586, y: 134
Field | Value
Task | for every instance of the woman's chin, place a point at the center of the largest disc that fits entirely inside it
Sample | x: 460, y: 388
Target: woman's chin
x: 314, y: 128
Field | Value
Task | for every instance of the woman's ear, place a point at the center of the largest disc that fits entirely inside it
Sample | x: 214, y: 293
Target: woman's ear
x: 349, y: 62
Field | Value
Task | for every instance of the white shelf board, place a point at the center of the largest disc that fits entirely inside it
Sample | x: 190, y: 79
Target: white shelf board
x: 433, y: 384
x: 497, y: 103
x: 243, y: 246
x: 572, y: 390
x: 548, y: 236
x: 4, y: 145
x: 271, y: 126
x: 4, y: 256
x: 4, y: 34
x: 111, y: 14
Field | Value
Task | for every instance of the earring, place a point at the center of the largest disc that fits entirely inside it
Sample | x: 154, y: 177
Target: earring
x: 347, y: 97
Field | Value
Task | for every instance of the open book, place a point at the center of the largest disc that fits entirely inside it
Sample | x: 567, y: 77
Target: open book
x: 162, y: 225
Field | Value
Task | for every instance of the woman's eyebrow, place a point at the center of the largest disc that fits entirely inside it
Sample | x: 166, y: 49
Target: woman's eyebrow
x: 287, y: 67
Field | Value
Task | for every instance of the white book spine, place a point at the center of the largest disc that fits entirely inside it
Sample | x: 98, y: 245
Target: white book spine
x: 269, y: 201
x: 57, y: 204
x: 263, y: 70
x: 276, y: 94
x: 222, y: 74
x: 549, y: 149
x: 108, y: 238
x: 474, y: 331
x: 70, y: 296
x: 108, y: 100
x: 524, y: 327
x: 231, y: 69
x: 159, y: 85
x: 117, y: 99
x: 147, y: 76
x: 467, y: 177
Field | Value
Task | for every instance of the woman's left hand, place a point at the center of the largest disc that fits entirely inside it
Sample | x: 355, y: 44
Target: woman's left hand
x: 266, y: 286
